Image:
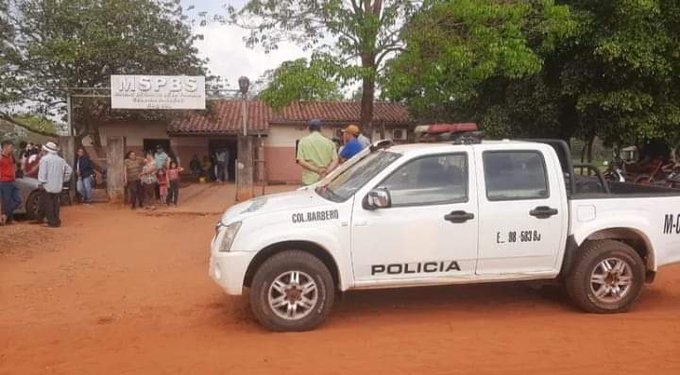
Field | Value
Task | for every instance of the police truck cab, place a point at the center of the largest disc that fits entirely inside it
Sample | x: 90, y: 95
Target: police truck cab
x: 438, y: 214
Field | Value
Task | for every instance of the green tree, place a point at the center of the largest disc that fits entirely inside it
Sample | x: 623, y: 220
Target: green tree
x: 299, y: 80
x: 583, y: 68
x: 357, y: 36
x: 622, y: 71
x: 481, y: 60
x: 81, y: 43
x: 9, y: 59
x: 7, y: 55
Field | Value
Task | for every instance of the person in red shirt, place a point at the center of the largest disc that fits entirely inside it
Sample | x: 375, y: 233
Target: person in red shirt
x: 173, y: 181
x: 9, y: 192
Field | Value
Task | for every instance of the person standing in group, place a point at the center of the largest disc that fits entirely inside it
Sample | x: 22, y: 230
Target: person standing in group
x: 21, y: 154
x: 163, y: 183
x: 363, y: 140
x: 51, y: 176
x: 206, y: 168
x: 133, y: 171
x: 85, y: 173
x: 352, y: 145
x: 161, y: 158
x: 195, y: 166
x: 32, y: 163
x: 316, y: 154
x: 173, y: 182
x: 149, y: 178
x: 9, y: 192
x: 220, y: 162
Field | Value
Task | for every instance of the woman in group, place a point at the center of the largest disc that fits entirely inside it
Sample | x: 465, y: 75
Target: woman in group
x: 148, y: 179
x: 133, y: 171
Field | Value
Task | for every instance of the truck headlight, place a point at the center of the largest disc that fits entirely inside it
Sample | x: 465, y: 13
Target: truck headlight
x: 230, y: 232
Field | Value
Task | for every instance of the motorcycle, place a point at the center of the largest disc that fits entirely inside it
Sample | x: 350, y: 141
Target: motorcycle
x: 615, y: 171
x: 673, y: 177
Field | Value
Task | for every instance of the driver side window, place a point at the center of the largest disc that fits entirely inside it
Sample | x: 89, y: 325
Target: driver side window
x: 436, y: 179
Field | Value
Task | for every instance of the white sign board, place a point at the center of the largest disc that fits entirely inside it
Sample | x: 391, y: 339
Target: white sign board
x: 157, y: 92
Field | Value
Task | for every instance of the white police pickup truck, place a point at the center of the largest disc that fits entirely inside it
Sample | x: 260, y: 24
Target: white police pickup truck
x: 433, y: 214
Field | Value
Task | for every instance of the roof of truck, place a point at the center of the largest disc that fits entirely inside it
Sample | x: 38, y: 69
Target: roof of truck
x: 419, y: 147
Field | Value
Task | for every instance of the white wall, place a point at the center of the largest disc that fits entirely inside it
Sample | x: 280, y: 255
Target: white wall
x: 134, y: 133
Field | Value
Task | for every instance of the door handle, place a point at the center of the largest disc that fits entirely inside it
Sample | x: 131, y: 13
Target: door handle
x: 459, y: 216
x: 543, y: 212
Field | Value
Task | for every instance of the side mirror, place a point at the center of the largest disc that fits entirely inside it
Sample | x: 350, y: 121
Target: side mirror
x: 377, y: 198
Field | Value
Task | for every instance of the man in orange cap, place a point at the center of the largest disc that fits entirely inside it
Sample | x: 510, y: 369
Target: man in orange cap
x: 352, y: 145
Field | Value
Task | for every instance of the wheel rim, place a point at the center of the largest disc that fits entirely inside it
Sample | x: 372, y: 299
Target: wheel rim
x: 36, y: 207
x: 293, y: 295
x: 611, y: 280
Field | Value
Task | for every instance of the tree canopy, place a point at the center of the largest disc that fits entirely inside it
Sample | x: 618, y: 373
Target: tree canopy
x: 585, y: 68
x: 356, y: 36
x: 9, y: 57
x: 71, y: 44
x: 299, y: 80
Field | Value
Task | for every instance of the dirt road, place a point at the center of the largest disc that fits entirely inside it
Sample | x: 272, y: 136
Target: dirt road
x: 120, y: 292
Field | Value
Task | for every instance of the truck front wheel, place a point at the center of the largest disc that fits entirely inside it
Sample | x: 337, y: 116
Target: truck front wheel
x: 292, y: 291
x: 607, y: 277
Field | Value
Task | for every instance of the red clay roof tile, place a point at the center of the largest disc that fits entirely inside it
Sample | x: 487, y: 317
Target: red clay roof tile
x: 226, y: 116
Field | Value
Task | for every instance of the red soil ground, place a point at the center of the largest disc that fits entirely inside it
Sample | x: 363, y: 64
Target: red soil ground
x: 121, y: 292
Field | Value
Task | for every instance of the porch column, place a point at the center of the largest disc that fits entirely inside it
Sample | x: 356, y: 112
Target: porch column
x: 68, y: 149
x: 115, y: 154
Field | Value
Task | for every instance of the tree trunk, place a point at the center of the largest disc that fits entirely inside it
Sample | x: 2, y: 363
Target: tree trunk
x: 591, y: 142
x: 368, y: 97
x: 583, y: 151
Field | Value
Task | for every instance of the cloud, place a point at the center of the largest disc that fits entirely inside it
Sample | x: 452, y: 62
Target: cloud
x: 230, y: 58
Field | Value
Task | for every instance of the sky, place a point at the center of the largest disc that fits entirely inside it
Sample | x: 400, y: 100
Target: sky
x: 227, y: 52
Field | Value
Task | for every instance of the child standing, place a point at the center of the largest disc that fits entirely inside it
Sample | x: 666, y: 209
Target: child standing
x: 173, y: 182
x: 163, y: 183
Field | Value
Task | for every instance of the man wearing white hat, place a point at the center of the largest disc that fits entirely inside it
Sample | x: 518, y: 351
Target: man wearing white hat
x: 52, y: 173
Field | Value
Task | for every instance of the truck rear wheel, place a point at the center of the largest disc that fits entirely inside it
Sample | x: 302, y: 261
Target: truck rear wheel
x: 607, y: 277
x: 292, y: 291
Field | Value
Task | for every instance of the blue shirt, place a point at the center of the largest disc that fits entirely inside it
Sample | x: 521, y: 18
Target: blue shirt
x: 161, y: 158
x: 351, y: 148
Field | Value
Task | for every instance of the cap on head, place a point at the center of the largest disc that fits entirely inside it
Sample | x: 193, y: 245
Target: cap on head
x: 352, y: 129
x: 159, y: 148
x: 50, y: 147
x: 314, y: 124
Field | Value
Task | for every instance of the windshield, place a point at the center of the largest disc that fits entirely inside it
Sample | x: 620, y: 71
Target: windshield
x: 346, y: 183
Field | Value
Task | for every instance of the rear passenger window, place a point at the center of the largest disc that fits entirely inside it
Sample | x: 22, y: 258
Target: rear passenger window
x: 437, y: 179
x: 515, y: 175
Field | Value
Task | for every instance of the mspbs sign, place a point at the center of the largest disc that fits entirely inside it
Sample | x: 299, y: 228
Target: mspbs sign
x: 157, y: 92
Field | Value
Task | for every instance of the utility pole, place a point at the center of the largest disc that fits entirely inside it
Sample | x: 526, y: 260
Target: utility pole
x: 244, y: 165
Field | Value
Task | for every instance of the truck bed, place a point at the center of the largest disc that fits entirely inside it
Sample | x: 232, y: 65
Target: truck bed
x: 591, y: 187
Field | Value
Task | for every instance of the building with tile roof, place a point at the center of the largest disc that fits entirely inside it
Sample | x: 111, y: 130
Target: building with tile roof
x: 275, y: 133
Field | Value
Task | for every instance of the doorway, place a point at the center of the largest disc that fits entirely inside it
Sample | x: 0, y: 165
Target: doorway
x: 228, y: 145
x: 150, y: 144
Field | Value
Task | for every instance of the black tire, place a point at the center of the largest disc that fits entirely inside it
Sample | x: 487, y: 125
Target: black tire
x: 277, y: 267
x: 33, y: 205
x: 589, y: 260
